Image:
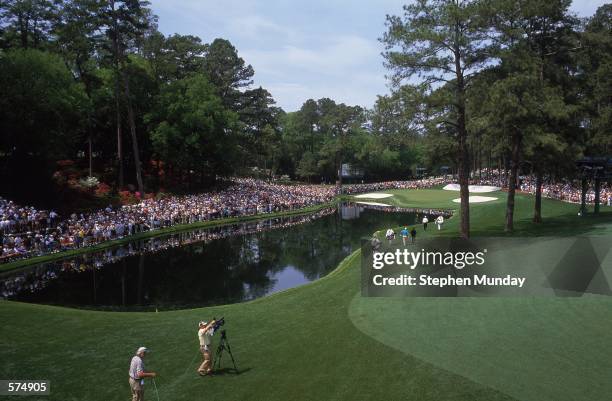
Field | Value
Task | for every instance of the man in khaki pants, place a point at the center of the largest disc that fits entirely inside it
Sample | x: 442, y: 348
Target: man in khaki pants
x: 205, y: 333
x: 137, y: 374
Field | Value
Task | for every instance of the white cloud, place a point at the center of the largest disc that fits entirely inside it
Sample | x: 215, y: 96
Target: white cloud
x: 299, y: 50
x: 586, y: 8
x: 340, y: 56
x: 340, y: 68
x: 253, y: 26
x: 357, y: 89
x: 340, y: 52
x: 205, y: 9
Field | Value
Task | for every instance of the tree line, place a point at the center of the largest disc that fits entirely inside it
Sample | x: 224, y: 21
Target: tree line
x: 95, y: 78
x: 519, y: 85
x: 522, y: 85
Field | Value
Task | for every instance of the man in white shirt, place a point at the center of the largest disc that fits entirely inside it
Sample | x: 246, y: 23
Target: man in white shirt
x: 137, y: 374
x: 425, y: 221
x: 440, y: 222
x: 205, y: 333
x: 390, y: 235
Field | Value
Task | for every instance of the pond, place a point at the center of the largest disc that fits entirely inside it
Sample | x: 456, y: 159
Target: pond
x: 227, y: 264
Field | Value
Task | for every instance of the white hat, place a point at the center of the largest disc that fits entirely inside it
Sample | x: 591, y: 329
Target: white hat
x: 142, y: 349
x: 202, y: 323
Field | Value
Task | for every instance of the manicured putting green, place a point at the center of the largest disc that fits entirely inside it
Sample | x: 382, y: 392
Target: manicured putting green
x: 529, y: 348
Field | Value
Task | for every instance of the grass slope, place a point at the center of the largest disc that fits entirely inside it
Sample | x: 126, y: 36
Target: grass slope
x: 301, y: 343
x: 296, y: 345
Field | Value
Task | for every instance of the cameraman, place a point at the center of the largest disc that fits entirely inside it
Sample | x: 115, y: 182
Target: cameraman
x: 205, y: 333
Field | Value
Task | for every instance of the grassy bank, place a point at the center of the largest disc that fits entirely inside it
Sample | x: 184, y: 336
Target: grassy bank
x: 296, y: 345
x: 323, y: 341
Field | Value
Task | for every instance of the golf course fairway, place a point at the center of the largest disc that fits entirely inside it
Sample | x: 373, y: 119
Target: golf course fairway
x: 324, y: 341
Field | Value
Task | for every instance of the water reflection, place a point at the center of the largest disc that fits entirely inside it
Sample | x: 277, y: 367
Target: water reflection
x: 225, y: 264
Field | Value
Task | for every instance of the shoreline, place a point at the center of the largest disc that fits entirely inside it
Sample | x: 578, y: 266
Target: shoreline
x: 12, y: 267
x: 18, y: 264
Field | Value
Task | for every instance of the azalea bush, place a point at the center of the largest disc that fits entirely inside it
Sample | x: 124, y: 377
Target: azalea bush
x: 89, y: 182
x: 127, y: 198
x: 103, y: 190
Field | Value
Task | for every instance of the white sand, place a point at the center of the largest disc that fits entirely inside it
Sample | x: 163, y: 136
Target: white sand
x: 472, y: 188
x: 373, y: 203
x: 477, y: 199
x: 374, y: 196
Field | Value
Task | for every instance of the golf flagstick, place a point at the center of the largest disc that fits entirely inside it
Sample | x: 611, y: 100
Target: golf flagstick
x: 156, y: 392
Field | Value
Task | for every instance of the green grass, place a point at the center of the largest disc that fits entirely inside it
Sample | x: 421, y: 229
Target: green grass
x: 323, y: 341
x: 487, y: 219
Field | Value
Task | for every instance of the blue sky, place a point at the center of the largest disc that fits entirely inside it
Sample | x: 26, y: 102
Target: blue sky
x: 302, y: 49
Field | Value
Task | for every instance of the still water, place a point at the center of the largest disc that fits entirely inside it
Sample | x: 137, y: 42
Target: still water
x: 227, y: 264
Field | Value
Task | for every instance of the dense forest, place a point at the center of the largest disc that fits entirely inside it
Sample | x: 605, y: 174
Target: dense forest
x: 95, y: 97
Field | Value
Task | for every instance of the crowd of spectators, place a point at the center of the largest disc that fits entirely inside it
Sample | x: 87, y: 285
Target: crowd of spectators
x: 568, y: 191
x: 386, y: 185
x: 38, y: 277
x: 26, y: 231
x: 564, y: 190
x: 492, y: 177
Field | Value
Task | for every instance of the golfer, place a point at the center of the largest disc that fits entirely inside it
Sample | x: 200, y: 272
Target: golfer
x: 425, y: 221
x: 390, y: 235
x: 440, y: 221
x: 413, y: 233
x: 404, y: 235
x: 138, y: 373
x: 205, y: 333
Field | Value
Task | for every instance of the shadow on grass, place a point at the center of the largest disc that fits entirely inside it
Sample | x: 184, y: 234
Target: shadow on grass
x: 563, y: 225
x: 226, y: 371
x: 568, y: 224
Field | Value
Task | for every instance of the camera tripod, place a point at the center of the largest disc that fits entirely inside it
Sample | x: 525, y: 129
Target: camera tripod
x: 224, y: 345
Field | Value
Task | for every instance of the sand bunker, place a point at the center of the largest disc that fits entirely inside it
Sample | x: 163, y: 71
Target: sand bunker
x: 374, y: 196
x: 373, y: 203
x: 477, y: 199
x: 472, y: 188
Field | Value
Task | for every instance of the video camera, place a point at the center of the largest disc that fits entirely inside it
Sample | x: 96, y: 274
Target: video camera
x: 218, y: 323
